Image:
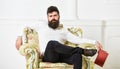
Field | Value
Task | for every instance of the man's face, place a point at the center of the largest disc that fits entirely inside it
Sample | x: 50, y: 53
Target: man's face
x: 53, y: 19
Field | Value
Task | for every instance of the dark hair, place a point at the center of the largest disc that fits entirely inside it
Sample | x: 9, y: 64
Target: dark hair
x: 52, y: 8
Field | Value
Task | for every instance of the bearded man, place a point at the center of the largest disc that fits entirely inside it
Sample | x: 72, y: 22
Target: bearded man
x: 52, y: 48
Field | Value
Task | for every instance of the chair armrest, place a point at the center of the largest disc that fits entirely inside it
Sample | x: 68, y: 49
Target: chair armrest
x: 30, y: 48
x: 31, y: 54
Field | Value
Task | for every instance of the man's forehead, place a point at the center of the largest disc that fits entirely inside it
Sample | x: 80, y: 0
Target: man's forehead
x: 52, y: 13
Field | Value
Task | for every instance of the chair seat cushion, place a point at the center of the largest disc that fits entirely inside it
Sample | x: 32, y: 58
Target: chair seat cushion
x: 54, y: 65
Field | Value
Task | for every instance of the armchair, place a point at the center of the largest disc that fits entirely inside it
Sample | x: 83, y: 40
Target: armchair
x: 30, y: 50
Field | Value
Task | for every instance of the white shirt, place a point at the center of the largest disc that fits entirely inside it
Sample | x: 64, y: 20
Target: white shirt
x: 46, y: 34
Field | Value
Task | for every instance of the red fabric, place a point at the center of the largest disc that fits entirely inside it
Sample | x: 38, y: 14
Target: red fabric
x: 101, y: 57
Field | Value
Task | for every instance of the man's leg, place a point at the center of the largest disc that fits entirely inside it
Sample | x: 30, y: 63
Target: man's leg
x: 54, y: 49
x: 75, y: 59
x: 50, y: 54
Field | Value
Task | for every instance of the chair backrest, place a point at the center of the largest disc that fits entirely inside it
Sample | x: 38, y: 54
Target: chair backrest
x: 77, y: 31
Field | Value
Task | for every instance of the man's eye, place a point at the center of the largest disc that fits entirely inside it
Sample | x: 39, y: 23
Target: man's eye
x: 50, y: 16
x: 55, y: 15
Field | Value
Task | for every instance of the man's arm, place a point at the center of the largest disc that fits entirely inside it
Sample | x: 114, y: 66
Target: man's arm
x: 75, y: 39
x: 78, y: 40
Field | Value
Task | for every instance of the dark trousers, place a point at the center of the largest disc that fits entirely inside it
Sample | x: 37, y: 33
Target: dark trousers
x: 57, y: 52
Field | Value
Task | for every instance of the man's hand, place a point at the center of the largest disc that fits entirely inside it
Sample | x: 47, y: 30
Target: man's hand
x: 41, y: 55
x: 18, y: 42
x: 99, y: 46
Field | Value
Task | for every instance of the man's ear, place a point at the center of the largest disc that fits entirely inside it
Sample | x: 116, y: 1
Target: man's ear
x: 59, y: 17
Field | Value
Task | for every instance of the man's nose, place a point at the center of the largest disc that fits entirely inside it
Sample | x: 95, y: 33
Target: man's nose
x: 53, y: 18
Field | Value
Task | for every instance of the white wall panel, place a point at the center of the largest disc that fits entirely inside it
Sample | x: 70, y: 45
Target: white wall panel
x: 98, y: 9
x: 112, y: 42
x: 10, y: 58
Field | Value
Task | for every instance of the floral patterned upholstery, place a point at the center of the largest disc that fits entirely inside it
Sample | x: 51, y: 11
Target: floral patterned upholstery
x: 30, y: 50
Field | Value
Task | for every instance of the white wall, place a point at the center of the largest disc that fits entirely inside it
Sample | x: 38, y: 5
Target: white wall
x: 69, y: 9
x: 99, y: 9
x: 99, y: 20
x: 35, y: 9
x: 112, y: 42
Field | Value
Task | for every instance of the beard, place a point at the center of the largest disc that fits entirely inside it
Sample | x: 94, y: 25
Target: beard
x: 53, y: 24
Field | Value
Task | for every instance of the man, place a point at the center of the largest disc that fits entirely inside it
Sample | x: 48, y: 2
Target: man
x: 53, y: 49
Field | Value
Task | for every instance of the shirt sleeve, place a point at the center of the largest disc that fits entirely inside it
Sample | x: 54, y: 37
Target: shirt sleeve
x: 66, y: 35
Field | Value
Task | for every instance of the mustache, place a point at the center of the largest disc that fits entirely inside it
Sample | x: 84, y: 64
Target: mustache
x: 53, y: 20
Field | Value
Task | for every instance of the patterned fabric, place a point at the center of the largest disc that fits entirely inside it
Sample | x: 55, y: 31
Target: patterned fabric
x: 52, y: 65
x: 30, y: 50
x: 57, y: 68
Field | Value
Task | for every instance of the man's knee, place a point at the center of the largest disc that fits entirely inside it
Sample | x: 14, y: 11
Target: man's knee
x: 52, y: 42
x: 77, y: 57
x: 50, y: 59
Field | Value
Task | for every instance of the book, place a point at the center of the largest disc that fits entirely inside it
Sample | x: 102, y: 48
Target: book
x: 101, y: 57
